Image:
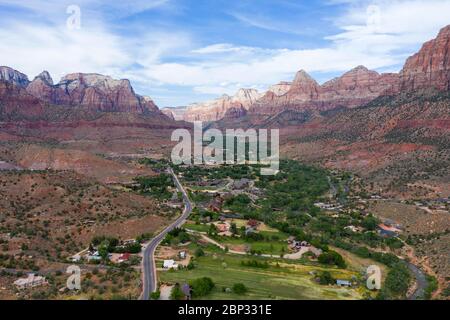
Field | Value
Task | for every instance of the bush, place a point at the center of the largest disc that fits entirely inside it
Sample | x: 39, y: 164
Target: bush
x: 201, y: 286
x: 326, y: 278
x: 240, y: 288
x: 332, y: 258
x: 155, y: 295
x: 177, y: 293
x: 431, y: 287
x: 199, y: 252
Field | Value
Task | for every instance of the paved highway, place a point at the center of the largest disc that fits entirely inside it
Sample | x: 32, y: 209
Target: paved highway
x: 148, y: 261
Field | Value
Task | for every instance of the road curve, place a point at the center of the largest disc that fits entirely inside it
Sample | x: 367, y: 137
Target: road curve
x: 421, y: 282
x: 148, y: 261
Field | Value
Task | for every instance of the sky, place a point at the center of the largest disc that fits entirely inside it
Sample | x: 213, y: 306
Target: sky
x: 184, y: 51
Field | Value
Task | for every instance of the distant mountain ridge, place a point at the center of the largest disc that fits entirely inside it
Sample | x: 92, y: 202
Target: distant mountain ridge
x: 429, y: 68
x: 94, y: 92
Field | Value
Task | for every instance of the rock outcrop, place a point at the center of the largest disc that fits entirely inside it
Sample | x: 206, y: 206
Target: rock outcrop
x: 280, y: 88
x: 218, y: 108
x: 17, y: 104
x: 93, y: 91
x: 13, y: 76
x: 430, y: 67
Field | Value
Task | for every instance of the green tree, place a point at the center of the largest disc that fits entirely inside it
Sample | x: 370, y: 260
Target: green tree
x: 326, y: 278
x: 177, y: 293
x: 201, y: 286
x: 240, y: 288
x: 332, y: 258
x: 155, y: 295
x: 199, y: 252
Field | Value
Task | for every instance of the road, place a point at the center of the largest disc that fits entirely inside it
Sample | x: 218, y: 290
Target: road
x: 148, y: 261
x: 421, y: 282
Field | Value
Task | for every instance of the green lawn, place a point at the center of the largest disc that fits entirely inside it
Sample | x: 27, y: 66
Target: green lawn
x: 196, y: 227
x: 286, y: 281
x: 265, y: 247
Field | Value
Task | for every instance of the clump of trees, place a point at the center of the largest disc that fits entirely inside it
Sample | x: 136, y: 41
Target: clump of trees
x: 240, y: 288
x: 155, y: 186
x: 201, y: 286
x: 326, y: 278
x: 255, y: 264
x: 397, y: 282
x: 332, y: 258
x: 176, y: 236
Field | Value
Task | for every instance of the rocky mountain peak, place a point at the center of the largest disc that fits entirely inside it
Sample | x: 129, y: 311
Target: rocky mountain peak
x: 302, y: 77
x: 280, y: 88
x: 45, y: 76
x: 246, y: 97
x: 75, y: 80
x: 13, y: 76
x: 430, y: 67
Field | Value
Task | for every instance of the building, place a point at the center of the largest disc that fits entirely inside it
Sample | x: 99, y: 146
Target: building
x: 75, y: 258
x: 30, y: 282
x: 93, y: 256
x: 252, y: 223
x: 343, y: 283
x: 170, y: 264
x: 182, y: 254
x: 222, y: 227
x: 388, y: 231
x: 123, y: 257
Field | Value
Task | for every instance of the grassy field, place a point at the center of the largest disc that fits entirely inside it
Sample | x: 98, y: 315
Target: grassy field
x: 265, y: 247
x: 196, y: 227
x: 282, y: 281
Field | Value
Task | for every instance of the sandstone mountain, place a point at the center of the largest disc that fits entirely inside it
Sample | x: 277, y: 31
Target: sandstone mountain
x: 13, y: 76
x: 94, y: 91
x: 218, y: 108
x: 175, y: 113
x: 429, y: 68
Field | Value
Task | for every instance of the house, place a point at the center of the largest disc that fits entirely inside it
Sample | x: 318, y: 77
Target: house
x: 93, y: 256
x: 252, y: 223
x: 249, y: 230
x: 353, y: 228
x: 182, y: 254
x: 170, y: 264
x: 75, y: 258
x: 214, y: 208
x: 30, y: 282
x: 123, y: 257
x: 343, y: 283
x: 222, y: 227
x: 388, y: 231
x: 215, y: 205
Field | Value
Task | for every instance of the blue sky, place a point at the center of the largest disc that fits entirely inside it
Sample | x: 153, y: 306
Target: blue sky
x: 184, y: 51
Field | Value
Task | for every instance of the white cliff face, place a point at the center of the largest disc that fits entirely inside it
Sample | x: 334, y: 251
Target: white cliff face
x: 13, y: 76
x: 44, y: 76
x: 280, y: 88
x: 246, y: 97
x: 216, y: 109
x: 74, y: 80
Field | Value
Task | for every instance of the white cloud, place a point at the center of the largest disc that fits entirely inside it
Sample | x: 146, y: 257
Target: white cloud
x: 166, y: 59
x: 381, y: 42
x: 32, y: 48
x: 221, y: 48
x: 56, y: 9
